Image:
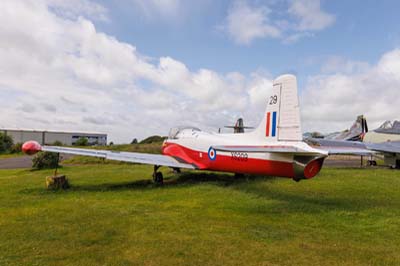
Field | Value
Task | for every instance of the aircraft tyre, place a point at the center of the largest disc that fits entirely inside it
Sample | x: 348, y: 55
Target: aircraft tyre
x: 176, y: 170
x: 239, y: 175
x: 158, y: 178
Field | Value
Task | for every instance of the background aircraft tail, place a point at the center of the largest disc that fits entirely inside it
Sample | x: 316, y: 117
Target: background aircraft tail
x: 281, y: 120
x: 239, y: 126
x: 355, y: 133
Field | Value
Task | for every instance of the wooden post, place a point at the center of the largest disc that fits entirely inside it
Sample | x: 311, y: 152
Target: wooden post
x: 58, y: 161
x: 57, y: 182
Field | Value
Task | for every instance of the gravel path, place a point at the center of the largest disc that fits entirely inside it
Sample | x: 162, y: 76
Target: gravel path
x: 16, y: 162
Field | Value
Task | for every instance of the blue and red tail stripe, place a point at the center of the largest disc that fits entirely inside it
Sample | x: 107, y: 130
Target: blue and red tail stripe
x: 270, y: 129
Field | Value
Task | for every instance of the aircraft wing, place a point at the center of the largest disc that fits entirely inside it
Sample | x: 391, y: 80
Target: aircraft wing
x: 266, y: 148
x: 133, y: 157
x: 385, y: 147
x: 341, y: 147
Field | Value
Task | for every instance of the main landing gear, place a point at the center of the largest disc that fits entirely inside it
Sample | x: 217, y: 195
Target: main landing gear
x: 157, y: 176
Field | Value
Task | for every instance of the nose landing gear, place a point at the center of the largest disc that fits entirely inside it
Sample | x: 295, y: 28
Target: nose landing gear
x: 157, y: 176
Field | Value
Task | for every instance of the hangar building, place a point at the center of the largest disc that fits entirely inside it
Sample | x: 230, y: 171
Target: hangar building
x: 48, y: 137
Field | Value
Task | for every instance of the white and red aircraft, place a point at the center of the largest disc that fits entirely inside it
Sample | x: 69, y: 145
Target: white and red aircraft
x: 274, y: 148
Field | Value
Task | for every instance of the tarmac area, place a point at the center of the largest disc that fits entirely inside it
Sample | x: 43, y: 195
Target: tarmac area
x: 23, y: 161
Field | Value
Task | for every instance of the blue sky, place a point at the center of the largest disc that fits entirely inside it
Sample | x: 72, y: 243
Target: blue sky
x: 135, y: 68
x: 362, y: 31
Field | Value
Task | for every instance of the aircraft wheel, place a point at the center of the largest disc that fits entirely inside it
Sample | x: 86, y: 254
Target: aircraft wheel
x: 158, y: 178
x: 176, y: 170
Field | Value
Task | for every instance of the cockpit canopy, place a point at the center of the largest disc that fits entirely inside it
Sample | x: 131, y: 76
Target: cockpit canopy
x: 177, y: 132
x: 389, y: 127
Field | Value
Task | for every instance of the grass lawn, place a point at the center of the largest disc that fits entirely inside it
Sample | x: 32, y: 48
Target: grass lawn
x: 114, y: 215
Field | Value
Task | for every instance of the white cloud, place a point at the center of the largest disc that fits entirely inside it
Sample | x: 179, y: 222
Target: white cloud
x: 245, y: 23
x: 338, y: 64
x: 156, y: 8
x: 332, y: 102
x: 59, y: 72
x: 76, y: 8
x: 296, y: 37
x: 310, y: 15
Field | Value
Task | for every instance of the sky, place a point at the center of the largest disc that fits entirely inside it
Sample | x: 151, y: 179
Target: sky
x: 135, y: 68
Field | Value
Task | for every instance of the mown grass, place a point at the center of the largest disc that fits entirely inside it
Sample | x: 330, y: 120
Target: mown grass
x: 114, y: 215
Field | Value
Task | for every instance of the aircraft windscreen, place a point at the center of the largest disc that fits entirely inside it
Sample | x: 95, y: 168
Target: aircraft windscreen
x: 396, y: 125
x: 174, y: 132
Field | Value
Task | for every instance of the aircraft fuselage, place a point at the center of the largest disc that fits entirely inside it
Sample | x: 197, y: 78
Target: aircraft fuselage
x: 195, y: 147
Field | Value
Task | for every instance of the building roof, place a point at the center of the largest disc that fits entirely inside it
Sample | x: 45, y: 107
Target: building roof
x: 52, y: 131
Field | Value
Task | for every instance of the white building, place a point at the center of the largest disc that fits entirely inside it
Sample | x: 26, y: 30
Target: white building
x: 48, y: 137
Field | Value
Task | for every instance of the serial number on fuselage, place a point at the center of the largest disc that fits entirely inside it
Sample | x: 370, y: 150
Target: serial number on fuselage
x: 239, y: 156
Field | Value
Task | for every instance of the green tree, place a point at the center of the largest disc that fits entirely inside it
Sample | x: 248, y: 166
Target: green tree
x: 82, y: 141
x: 6, y: 143
x: 153, y: 139
x: 57, y: 143
x: 134, y: 141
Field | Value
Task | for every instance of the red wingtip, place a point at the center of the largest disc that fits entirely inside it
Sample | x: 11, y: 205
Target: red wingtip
x: 31, y: 147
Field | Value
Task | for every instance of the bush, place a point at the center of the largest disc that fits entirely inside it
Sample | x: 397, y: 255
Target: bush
x: 153, y: 139
x: 45, y: 160
x: 16, y: 148
x: 6, y: 143
x: 57, y: 143
x: 82, y: 141
x: 134, y: 141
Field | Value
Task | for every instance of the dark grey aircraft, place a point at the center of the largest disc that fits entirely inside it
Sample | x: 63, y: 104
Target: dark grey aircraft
x: 239, y: 126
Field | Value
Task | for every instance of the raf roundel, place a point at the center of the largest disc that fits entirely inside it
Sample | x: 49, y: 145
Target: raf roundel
x: 212, y: 154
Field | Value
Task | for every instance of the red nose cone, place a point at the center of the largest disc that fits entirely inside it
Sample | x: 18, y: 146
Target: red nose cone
x: 31, y: 147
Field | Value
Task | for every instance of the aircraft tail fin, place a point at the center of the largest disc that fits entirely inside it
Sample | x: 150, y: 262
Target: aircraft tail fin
x: 356, y: 131
x: 239, y: 126
x: 281, y: 120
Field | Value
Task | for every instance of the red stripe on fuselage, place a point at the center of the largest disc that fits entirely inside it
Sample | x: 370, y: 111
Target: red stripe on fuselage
x: 267, y: 127
x: 226, y: 163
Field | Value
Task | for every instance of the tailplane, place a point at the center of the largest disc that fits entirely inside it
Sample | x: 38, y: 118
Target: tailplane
x: 281, y: 120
